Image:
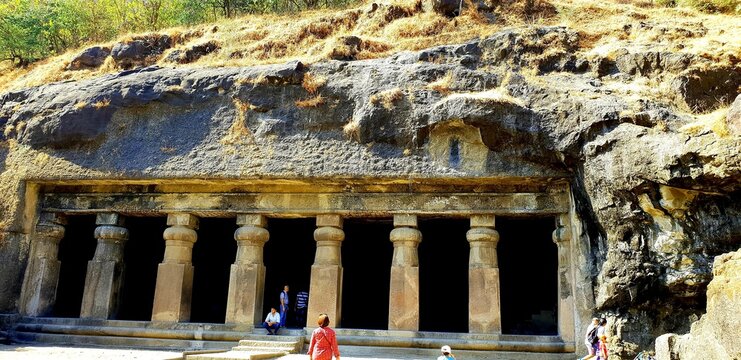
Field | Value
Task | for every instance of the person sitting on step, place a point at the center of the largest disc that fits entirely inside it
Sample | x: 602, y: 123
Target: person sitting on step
x: 272, y: 322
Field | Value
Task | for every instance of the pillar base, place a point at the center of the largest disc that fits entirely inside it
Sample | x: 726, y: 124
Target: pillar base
x: 246, y: 290
x: 404, y: 298
x: 173, y: 292
x: 102, y: 285
x: 40, y: 287
x: 325, y: 294
x: 483, y: 301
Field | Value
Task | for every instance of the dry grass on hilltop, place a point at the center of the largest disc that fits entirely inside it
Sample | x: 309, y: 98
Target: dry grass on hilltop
x: 399, y: 25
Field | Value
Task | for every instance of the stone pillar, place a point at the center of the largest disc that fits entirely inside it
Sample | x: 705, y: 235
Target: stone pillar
x: 174, y: 288
x: 39, y: 290
x: 562, y: 238
x: 325, y: 290
x: 104, y: 278
x: 404, y: 284
x: 484, y: 314
x: 247, y: 276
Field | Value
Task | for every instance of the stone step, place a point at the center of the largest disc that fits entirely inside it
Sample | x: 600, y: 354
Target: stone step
x: 237, y: 355
x: 244, y: 329
x: 117, y: 331
x: 268, y: 343
x: 426, y: 354
x: 117, y: 341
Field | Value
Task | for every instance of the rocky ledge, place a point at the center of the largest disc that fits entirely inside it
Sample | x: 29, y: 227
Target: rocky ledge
x: 657, y: 184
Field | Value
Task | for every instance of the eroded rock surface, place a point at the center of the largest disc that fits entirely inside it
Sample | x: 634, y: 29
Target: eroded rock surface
x: 714, y: 336
x: 656, y: 201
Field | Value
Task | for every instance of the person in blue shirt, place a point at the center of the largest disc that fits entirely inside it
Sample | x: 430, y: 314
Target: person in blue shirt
x: 272, y: 322
x: 284, y: 306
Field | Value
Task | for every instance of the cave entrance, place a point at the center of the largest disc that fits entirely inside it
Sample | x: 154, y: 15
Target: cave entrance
x: 142, y: 254
x: 213, y: 255
x: 443, y: 275
x: 288, y: 256
x: 76, y: 248
x: 366, y: 262
x: 528, y: 266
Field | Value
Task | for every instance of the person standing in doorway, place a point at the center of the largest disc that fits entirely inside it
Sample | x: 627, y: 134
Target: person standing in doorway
x: 300, y: 307
x: 272, y: 322
x: 589, y: 339
x: 447, y: 353
x: 284, y: 306
x: 323, y: 341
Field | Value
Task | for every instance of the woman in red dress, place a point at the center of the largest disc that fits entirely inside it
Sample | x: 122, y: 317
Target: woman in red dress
x: 323, y: 341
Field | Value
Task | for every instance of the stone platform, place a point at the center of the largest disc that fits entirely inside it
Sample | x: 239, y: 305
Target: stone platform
x: 222, y: 341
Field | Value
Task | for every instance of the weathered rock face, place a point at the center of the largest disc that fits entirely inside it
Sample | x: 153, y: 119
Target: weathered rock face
x: 714, y: 336
x: 656, y: 201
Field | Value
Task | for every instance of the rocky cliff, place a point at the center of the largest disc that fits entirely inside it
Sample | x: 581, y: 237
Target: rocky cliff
x: 714, y: 335
x: 656, y: 179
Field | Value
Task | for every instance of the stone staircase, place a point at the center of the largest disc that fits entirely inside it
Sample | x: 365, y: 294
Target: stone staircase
x: 258, y: 345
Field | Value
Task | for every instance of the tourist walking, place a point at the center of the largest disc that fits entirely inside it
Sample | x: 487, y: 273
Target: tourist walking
x: 591, y: 340
x: 272, y: 322
x: 602, y: 339
x: 284, y: 306
x: 300, y: 307
x: 323, y: 341
x: 447, y: 353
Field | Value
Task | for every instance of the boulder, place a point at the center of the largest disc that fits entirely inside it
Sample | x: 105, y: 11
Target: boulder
x: 705, y: 89
x: 448, y: 8
x: 192, y: 53
x: 139, y: 51
x: 346, y: 48
x: 89, y: 58
x: 715, y: 335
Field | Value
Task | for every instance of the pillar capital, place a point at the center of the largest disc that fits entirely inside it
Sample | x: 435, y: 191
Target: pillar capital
x: 405, y: 220
x: 183, y: 219
x: 251, y: 236
x: 487, y: 220
x: 563, y: 230
x: 48, y: 233
x: 329, y: 220
x: 483, y: 240
x: 328, y: 236
x: 180, y: 238
x: 406, y: 237
x: 252, y: 219
x: 114, y: 219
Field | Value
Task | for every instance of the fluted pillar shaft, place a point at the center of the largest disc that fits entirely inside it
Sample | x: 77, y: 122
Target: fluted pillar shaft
x: 39, y: 289
x: 484, y: 313
x: 172, y: 295
x: 404, y: 282
x: 325, y: 291
x: 105, y: 271
x: 247, y: 275
x: 562, y: 238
